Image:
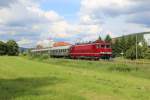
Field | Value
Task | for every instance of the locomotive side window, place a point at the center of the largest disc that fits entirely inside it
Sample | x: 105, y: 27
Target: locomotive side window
x: 97, y: 46
x: 107, y: 46
x: 102, y: 46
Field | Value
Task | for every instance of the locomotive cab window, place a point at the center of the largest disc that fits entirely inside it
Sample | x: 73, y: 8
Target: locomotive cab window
x: 102, y: 46
x: 97, y: 46
x: 107, y: 46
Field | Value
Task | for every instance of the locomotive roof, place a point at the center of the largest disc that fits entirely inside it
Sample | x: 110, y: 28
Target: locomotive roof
x: 96, y: 42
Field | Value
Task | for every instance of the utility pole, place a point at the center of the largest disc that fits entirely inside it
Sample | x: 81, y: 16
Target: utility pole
x: 136, y: 48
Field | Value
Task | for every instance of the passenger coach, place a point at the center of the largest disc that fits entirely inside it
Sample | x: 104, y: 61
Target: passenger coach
x: 61, y: 51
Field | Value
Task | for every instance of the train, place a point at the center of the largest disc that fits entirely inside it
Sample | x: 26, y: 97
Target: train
x: 95, y: 50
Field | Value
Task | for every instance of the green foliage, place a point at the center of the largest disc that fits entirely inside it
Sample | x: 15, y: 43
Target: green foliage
x: 147, y: 53
x: 3, y: 48
x: 39, y: 56
x: 12, y: 48
x: 131, y: 53
x: 44, y: 56
x: 123, y: 68
x: 23, y: 54
x: 99, y: 38
x: 108, y: 38
x: 127, y: 45
x: 123, y: 44
x: 116, y: 48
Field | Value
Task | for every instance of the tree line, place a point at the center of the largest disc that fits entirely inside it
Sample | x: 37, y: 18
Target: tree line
x: 130, y: 47
x: 9, y: 48
x: 107, y: 38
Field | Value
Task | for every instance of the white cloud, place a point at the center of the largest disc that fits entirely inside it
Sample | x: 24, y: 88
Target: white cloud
x: 24, y: 41
x: 46, y: 43
x: 97, y: 11
x: 25, y: 17
x: 116, y: 16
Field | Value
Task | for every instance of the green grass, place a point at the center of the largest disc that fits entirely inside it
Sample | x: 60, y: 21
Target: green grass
x: 62, y: 79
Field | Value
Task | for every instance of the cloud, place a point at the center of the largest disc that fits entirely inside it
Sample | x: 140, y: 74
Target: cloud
x: 25, y: 20
x: 140, y: 18
x: 6, y: 3
x: 97, y: 11
x: 46, y: 43
x: 24, y: 41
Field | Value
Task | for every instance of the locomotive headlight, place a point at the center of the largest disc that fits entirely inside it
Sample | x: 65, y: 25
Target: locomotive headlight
x: 102, y: 52
x: 109, y: 52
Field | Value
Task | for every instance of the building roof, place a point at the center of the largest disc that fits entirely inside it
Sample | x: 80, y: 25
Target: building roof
x: 57, y: 44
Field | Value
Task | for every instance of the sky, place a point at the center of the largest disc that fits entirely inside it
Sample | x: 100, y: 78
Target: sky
x: 32, y: 21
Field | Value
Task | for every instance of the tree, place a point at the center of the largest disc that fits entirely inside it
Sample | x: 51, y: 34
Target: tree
x: 130, y: 42
x: 123, y: 44
x: 131, y: 53
x: 116, y: 48
x: 3, y: 48
x: 147, y: 53
x: 12, y: 48
x: 99, y: 38
x: 108, y: 38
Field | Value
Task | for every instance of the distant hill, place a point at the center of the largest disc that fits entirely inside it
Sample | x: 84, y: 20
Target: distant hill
x: 140, y: 35
x: 22, y: 49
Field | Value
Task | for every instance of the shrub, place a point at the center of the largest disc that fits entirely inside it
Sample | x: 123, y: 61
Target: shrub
x: 44, y: 56
x: 147, y: 54
x: 123, y: 68
x: 131, y: 53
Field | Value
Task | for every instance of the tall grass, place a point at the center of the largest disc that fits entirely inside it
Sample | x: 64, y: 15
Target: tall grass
x: 66, y: 79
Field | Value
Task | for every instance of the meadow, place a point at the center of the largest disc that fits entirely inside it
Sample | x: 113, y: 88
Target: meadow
x: 64, y: 79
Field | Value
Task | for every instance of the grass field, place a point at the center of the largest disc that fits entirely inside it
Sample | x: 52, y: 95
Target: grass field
x: 62, y: 79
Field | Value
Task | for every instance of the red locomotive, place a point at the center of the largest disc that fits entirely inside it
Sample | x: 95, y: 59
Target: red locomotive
x: 96, y: 50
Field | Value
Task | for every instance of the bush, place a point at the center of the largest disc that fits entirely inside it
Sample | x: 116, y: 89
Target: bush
x: 44, y: 56
x: 39, y: 56
x: 147, y: 54
x: 131, y: 53
x: 23, y: 54
x: 123, y: 68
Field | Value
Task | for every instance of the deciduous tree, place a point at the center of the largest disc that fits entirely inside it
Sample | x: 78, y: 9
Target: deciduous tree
x: 12, y: 48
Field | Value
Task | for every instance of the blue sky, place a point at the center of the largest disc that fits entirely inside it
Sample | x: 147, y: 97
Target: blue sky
x: 30, y: 22
x: 63, y: 7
